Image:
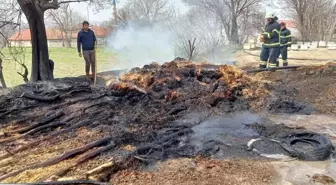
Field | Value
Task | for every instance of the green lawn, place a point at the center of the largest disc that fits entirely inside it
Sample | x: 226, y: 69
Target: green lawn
x: 67, y: 63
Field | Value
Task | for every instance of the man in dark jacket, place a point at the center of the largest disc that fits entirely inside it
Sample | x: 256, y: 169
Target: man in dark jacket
x: 86, y: 40
x: 285, y: 42
x: 271, y: 42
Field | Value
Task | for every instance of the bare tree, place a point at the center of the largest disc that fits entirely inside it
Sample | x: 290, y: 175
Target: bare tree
x: 191, y: 49
x: 314, y: 19
x: 18, y: 54
x: 229, y: 12
x: 205, y: 27
x: 252, y: 23
x: 9, y: 21
x: 34, y: 10
x: 2, y: 79
x: 151, y: 12
x: 65, y: 19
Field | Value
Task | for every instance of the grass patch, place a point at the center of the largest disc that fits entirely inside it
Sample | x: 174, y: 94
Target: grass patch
x: 67, y: 63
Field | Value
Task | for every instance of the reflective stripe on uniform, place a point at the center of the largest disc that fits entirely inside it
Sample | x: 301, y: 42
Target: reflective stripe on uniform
x: 284, y: 61
x: 288, y: 43
x: 263, y: 62
x: 275, y: 30
x: 272, y: 65
x: 288, y: 36
x: 273, y: 44
x: 268, y: 34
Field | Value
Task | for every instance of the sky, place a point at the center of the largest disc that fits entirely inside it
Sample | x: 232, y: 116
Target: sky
x: 106, y: 14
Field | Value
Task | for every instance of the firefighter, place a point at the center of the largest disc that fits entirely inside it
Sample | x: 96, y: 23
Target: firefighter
x: 285, y: 42
x: 271, y: 42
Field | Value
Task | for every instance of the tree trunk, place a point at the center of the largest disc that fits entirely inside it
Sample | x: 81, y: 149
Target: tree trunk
x: 42, y: 67
x: 68, y: 40
x: 234, y: 30
x: 2, y: 79
x: 302, y: 28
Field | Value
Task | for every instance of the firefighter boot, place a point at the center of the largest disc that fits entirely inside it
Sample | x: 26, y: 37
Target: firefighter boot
x: 272, y: 67
x: 277, y: 63
x: 263, y: 65
x: 285, y: 63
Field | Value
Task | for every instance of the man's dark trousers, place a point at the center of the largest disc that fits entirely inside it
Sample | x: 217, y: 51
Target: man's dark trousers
x: 269, y: 54
x: 89, y: 57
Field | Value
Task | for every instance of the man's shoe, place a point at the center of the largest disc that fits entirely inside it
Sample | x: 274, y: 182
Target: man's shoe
x: 87, y: 76
x: 93, y: 77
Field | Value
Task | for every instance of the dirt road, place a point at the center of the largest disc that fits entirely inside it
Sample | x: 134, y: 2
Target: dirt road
x: 249, y: 61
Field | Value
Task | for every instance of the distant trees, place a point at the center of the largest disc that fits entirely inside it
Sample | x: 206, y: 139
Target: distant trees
x: 315, y: 20
x: 231, y: 13
x: 149, y: 12
x: 9, y: 21
x: 66, y: 20
x: 218, y: 26
x: 34, y: 11
x: 203, y: 30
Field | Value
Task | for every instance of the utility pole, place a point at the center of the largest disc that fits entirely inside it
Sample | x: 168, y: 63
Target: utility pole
x: 114, y: 6
x: 88, y: 12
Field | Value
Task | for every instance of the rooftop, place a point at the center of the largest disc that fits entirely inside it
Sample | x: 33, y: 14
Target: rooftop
x: 54, y: 34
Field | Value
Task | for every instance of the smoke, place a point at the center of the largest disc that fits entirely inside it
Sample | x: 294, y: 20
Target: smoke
x: 139, y: 44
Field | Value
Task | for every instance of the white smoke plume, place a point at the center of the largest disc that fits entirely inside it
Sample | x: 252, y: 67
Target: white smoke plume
x: 138, y: 44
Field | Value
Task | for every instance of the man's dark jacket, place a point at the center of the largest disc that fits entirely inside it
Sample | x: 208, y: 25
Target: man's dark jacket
x: 87, y: 39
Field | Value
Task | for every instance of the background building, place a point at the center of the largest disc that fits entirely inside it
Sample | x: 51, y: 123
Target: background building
x: 57, y: 38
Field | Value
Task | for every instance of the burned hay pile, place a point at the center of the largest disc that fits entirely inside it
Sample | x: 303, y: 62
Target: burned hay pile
x: 65, y: 128
x: 208, y: 85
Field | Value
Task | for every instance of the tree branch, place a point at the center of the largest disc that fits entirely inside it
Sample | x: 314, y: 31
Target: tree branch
x: 54, y: 4
x: 4, y: 23
x: 73, y: 1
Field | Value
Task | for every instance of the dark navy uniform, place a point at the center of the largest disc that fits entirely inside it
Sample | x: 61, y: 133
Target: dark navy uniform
x: 285, y: 42
x: 271, y: 46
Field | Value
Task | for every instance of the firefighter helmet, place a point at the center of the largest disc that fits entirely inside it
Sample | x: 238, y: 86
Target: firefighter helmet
x: 270, y: 15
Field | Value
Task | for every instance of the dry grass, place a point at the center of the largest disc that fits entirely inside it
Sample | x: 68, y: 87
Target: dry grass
x: 201, y: 172
x: 67, y: 63
x: 47, y: 150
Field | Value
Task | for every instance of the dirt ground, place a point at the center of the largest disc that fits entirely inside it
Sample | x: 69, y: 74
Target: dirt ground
x: 314, y: 83
x: 245, y: 60
x: 133, y: 120
x: 203, y: 172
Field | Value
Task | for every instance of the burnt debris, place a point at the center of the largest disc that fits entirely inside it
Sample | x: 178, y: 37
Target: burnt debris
x: 143, y: 109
